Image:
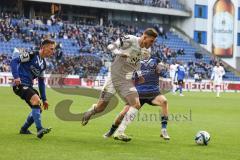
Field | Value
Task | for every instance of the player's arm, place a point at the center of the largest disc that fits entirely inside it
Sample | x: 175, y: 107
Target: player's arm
x: 42, y: 90
x: 140, y: 78
x: 223, y: 71
x: 213, y: 74
x: 22, y: 58
x: 14, y: 68
x: 161, y: 67
x: 121, y: 43
x: 175, y: 75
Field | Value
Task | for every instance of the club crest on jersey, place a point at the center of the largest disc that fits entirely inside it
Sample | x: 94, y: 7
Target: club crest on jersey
x: 25, y: 87
x: 151, y: 63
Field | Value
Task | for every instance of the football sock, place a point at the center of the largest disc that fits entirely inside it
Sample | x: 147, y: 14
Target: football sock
x: 128, y: 118
x: 36, y: 113
x: 174, y: 88
x: 218, y: 91
x: 177, y: 89
x: 113, y: 128
x: 29, y: 121
x: 180, y: 88
x: 164, y: 121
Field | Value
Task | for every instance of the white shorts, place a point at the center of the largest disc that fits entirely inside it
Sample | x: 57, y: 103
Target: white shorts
x: 217, y: 82
x: 122, y: 87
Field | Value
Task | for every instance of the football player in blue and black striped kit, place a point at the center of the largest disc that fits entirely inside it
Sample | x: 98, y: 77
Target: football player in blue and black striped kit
x: 147, y: 85
x: 25, y: 68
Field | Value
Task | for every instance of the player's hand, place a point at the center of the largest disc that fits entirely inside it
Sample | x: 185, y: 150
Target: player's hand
x: 141, y: 79
x: 45, y: 105
x: 17, y: 81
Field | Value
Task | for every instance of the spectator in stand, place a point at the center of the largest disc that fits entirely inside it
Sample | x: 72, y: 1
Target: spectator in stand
x: 181, y: 51
x: 162, y: 32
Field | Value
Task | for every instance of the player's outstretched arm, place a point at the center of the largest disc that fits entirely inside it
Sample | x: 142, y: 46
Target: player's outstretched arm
x: 42, y: 90
x: 122, y: 42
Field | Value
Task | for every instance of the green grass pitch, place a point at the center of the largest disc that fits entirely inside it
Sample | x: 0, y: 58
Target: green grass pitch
x: 70, y: 141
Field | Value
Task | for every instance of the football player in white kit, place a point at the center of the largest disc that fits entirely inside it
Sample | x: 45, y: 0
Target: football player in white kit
x: 129, y: 51
x: 217, y: 76
x: 172, y: 71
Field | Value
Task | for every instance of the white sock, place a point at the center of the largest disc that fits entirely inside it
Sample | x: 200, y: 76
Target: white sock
x: 128, y: 118
x: 218, y: 91
x: 173, y: 88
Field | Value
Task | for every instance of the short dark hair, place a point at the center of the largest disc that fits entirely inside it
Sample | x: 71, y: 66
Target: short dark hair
x: 151, y: 32
x: 47, y: 41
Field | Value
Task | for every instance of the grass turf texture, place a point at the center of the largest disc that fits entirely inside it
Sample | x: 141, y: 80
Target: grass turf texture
x: 70, y: 141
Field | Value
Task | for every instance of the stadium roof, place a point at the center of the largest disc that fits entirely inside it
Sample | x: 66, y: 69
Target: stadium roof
x: 119, y: 6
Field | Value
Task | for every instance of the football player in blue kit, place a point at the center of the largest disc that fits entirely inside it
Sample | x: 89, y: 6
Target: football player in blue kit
x: 147, y: 84
x: 179, y: 76
x: 25, y: 68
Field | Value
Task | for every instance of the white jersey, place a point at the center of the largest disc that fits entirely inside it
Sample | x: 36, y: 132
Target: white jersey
x: 217, y: 74
x: 128, y: 55
x: 172, y: 70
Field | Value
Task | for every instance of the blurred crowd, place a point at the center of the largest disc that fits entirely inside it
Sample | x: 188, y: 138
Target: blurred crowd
x: 5, y: 63
x: 91, y: 41
x: 153, y: 3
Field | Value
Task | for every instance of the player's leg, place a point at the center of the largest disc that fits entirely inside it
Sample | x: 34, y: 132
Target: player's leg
x: 35, y: 103
x: 18, y: 90
x: 29, y: 121
x: 173, y: 85
x: 180, y: 87
x: 96, y: 108
x: 119, y: 119
x: 217, y: 83
x: 31, y: 96
x: 161, y: 101
x: 134, y: 105
x: 218, y: 88
x: 107, y: 93
x: 177, y: 86
x: 117, y: 122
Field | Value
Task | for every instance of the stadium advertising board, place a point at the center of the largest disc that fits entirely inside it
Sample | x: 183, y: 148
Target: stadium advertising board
x: 98, y: 82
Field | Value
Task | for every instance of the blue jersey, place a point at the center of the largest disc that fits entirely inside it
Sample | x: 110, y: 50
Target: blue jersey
x: 29, y: 66
x: 180, y: 73
x: 151, y: 76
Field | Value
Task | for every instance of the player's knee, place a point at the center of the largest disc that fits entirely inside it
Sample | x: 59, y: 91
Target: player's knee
x: 35, y: 100
x: 163, y: 101
x: 137, y: 105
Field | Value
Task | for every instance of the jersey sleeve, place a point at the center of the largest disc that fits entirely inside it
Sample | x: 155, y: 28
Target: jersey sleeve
x: 213, y: 74
x: 22, y: 58
x: 121, y: 43
x: 14, y: 67
x: 26, y: 56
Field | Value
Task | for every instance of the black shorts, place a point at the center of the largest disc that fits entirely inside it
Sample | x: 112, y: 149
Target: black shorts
x: 25, y: 92
x: 148, y: 98
x: 180, y: 82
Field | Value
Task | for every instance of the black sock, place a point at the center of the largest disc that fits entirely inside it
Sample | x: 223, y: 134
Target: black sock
x: 113, y: 128
x: 164, y: 121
